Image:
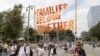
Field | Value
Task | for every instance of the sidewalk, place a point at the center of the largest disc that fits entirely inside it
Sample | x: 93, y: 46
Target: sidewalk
x: 90, y: 51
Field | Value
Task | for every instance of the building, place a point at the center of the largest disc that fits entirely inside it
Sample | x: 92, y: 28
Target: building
x: 93, y: 16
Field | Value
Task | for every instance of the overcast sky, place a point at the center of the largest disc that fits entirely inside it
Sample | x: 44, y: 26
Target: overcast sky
x: 83, y: 8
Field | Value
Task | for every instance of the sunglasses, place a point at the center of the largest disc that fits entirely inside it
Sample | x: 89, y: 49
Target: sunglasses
x: 78, y: 44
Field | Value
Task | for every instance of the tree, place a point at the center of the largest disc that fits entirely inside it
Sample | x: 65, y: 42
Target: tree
x: 52, y: 35
x: 61, y: 35
x: 69, y: 35
x: 95, y: 32
x: 1, y: 22
x: 32, y: 34
x: 13, y: 24
x: 1, y: 25
x: 85, y: 36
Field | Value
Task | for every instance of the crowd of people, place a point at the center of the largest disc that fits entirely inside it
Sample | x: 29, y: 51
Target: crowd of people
x: 94, y: 44
x: 16, y: 48
x: 23, y: 48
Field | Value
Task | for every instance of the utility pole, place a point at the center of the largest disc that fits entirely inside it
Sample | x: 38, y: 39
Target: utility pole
x: 28, y: 9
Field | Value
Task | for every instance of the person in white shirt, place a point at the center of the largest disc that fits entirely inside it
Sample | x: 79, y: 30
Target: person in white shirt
x: 23, y: 46
x: 13, y: 49
x: 40, y: 50
x: 45, y: 46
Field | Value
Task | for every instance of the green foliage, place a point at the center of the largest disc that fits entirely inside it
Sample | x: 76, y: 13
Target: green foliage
x: 69, y: 35
x: 61, y: 35
x: 13, y: 22
x: 66, y: 35
x: 1, y: 21
x: 32, y: 34
x: 85, y: 36
x: 95, y: 32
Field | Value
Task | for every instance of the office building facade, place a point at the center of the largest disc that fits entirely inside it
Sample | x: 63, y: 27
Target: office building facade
x: 93, y: 16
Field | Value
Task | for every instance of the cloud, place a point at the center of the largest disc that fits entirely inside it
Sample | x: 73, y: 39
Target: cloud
x: 89, y: 3
x: 45, y: 3
x: 83, y: 10
x: 93, y: 2
x: 7, y: 4
x: 82, y: 20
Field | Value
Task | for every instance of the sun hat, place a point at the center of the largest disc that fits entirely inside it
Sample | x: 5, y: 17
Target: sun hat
x: 21, y: 39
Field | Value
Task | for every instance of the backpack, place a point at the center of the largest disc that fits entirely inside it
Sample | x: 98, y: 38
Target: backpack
x: 54, y: 51
x: 31, y: 52
x: 1, y: 48
x: 17, y: 50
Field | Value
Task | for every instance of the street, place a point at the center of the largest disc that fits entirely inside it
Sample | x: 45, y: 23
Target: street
x: 60, y: 52
x: 90, y: 51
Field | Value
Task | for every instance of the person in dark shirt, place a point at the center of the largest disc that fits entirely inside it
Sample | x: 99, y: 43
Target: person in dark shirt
x: 79, y: 51
x: 54, y: 51
x: 1, y: 49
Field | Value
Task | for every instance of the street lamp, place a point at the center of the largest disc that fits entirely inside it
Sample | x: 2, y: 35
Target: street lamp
x: 28, y: 9
x: 75, y: 20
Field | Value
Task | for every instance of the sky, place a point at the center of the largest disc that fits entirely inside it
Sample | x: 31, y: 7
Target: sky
x: 83, y: 7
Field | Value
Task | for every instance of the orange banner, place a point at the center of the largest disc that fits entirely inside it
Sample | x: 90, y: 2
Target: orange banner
x: 47, y: 16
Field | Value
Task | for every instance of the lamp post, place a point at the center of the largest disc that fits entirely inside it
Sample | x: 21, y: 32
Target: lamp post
x: 75, y: 20
x: 28, y: 9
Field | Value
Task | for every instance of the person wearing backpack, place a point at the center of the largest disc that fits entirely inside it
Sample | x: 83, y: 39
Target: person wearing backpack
x: 54, y: 51
x: 13, y: 49
x: 24, y: 49
x: 66, y: 48
x: 40, y: 50
x: 1, y: 49
x: 79, y: 51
